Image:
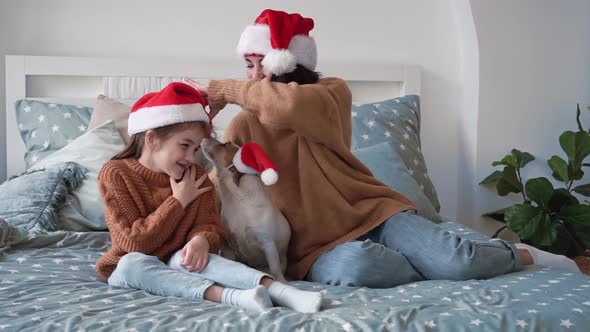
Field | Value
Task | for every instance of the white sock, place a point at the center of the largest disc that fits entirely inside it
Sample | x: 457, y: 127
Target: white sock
x: 291, y: 297
x: 254, y: 299
x: 548, y: 259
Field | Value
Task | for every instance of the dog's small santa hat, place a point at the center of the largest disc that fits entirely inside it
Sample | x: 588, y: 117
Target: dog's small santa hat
x: 176, y: 103
x: 283, y: 39
x: 251, y: 159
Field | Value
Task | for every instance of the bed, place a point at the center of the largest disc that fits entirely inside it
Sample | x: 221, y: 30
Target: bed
x: 47, y: 277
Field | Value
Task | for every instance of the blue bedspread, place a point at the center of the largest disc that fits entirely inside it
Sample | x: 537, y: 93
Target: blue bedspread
x: 48, y: 283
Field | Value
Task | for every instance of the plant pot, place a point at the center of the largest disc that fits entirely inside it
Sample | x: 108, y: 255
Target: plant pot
x: 583, y: 263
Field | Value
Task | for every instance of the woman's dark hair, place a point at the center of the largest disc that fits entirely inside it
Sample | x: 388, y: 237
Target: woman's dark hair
x: 300, y: 75
x: 136, y: 142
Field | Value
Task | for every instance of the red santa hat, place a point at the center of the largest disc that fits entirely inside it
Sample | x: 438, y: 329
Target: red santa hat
x: 251, y: 159
x: 283, y: 39
x: 176, y: 103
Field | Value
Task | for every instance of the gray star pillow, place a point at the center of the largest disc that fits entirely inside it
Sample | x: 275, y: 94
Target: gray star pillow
x: 396, y: 121
x: 46, y: 127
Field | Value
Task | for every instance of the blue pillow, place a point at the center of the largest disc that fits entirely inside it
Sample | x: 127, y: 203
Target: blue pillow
x: 46, y: 127
x: 396, y: 121
x: 388, y: 167
x: 33, y: 198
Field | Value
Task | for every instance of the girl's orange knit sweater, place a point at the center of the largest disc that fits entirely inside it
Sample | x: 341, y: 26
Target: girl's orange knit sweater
x: 142, y: 215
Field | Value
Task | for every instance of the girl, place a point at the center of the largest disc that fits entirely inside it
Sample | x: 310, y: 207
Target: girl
x: 160, y: 207
x: 347, y: 227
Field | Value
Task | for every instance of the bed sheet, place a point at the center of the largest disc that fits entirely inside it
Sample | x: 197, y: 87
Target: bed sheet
x: 48, y: 283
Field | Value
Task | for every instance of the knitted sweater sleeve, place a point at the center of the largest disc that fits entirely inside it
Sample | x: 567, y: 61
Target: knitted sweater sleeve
x: 208, y: 221
x: 129, y: 230
x: 312, y: 110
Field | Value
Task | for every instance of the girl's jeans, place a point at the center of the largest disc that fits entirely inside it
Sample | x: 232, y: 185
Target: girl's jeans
x: 141, y: 271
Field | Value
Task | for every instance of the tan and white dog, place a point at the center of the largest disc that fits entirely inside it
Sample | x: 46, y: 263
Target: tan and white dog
x: 259, y: 233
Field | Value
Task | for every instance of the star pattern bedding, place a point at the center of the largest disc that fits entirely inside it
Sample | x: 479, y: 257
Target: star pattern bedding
x: 48, y: 283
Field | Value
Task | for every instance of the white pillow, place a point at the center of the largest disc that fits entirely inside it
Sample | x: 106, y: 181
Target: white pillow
x: 90, y: 150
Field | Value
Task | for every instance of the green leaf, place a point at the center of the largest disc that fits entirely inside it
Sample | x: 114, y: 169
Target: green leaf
x: 546, y: 231
x: 576, y: 214
x: 509, y: 182
x: 583, y: 190
x: 531, y: 223
x: 575, y: 172
x: 493, y: 178
x: 559, y: 167
x: 508, y: 160
x: 557, y: 177
x: 523, y: 219
x: 561, y: 197
x: 567, y: 141
x: 580, y: 128
x: 522, y: 158
x: 539, y: 190
x: 576, y: 146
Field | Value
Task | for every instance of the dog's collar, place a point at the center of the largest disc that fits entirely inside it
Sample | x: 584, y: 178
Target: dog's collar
x: 225, y: 170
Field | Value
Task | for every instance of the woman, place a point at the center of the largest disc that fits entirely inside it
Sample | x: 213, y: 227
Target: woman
x: 347, y: 227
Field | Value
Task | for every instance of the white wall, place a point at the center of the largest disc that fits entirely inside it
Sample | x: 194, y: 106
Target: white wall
x: 534, y: 60
x: 467, y: 139
x: 417, y: 32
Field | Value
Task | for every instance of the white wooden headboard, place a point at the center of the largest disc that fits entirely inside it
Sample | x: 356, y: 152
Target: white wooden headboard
x: 81, y: 77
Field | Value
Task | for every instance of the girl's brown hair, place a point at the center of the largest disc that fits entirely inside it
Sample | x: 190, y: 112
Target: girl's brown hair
x: 135, y: 146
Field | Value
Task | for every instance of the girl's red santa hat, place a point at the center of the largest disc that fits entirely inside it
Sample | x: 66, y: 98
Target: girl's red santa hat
x: 283, y: 39
x: 176, y: 103
x: 251, y: 159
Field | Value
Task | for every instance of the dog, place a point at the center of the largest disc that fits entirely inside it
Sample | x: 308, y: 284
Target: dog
x: 259, y: 234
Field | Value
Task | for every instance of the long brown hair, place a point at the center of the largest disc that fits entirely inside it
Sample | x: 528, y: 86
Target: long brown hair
x: 135, y: 146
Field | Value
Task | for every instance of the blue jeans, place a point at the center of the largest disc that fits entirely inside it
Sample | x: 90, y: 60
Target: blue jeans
x: 408, y: 248
x: 145, y: 272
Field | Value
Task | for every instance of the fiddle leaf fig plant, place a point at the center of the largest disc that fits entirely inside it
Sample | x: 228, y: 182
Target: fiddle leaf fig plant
x: 554, y: 219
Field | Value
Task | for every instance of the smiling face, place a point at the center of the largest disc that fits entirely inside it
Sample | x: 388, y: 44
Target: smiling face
x: 254, y: 68
x: 173, y: 152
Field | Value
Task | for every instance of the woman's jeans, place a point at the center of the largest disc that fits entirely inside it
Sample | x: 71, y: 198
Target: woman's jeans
x: 408, y: 248
x: 141, y: 271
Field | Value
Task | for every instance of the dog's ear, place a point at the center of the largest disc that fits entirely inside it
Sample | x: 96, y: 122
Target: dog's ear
x: 231, y: 149
x: 228, y: 154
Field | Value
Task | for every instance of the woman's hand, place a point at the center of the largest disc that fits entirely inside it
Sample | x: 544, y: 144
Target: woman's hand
x: 187, y: 190
x: 195, y: 254
x: 204, y: 91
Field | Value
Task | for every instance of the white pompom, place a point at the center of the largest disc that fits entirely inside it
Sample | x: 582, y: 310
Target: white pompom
x: 269, y: 176
x: 279, y: 62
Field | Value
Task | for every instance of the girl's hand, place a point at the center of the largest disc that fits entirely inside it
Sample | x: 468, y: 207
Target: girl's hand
x: 187, y: 190
x: 195, y: 254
